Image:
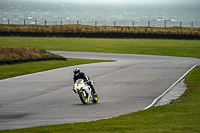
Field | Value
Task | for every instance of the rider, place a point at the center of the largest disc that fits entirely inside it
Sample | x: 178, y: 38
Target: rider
x: 80, y: 75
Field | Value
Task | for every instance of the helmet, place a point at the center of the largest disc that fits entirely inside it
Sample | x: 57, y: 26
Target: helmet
x: 76, y: 71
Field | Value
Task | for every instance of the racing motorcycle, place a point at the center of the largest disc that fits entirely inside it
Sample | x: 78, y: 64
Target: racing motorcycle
x: 85, y: 92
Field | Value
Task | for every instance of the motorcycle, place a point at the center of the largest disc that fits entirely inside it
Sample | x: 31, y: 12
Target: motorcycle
x: 85, y: 92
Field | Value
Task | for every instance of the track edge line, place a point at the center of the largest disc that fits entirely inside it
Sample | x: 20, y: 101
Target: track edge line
x: 159, y: 97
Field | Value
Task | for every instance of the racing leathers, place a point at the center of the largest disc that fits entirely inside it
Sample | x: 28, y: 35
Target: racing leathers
x: 86, y: 79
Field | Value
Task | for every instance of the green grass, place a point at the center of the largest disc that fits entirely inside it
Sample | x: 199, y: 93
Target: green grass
x: 181, y: 116
x: 186, y: 48
x: 7, y: 71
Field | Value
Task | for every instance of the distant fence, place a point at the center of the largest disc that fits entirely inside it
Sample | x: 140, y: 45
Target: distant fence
x: 148, y: 23
x: 102, y: 35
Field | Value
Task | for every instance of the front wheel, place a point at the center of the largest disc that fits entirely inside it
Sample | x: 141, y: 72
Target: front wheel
x: 83, y: 98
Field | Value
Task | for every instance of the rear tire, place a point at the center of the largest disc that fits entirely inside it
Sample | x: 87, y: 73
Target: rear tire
x: 84, y: 100
x: 95, y: 98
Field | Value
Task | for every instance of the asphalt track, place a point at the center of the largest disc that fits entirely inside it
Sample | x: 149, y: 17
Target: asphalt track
x: 127, y: 85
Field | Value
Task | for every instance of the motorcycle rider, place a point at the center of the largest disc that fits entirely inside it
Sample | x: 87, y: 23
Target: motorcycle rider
x: 80, y: 75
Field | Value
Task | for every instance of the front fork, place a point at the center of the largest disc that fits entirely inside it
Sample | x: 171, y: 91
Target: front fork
x: 84, y: 93
x: 88, y: 91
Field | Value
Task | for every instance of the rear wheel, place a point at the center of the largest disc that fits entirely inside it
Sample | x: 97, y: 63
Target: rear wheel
x: 83, y: 98
x: 95, y: 98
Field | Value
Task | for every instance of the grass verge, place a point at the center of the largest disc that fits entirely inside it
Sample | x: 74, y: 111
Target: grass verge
x: 181, y: 116
x: 185, y: 48
x: 8, y: 71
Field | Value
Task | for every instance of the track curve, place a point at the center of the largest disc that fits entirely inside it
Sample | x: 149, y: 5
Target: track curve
x: 127, y: 85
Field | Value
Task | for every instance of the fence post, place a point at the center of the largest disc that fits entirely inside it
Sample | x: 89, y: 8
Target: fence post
x: 165, y: 23
x: 148, y: 23
x: 95, y: 23
x: 77, y: 22
x: 8, y: 22
x: 192, y: 24
x: 24, y: 22
x: 61, y: 22
x: 180, y: 24
x: 133, y: 23
x: 35, y: 22
x: 45, y: 23
x: 114, y: 23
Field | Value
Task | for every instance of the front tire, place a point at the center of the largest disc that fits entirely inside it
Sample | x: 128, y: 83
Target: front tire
x: 84, y: 99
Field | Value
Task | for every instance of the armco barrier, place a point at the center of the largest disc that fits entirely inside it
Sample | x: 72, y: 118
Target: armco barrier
x: 101, y: 35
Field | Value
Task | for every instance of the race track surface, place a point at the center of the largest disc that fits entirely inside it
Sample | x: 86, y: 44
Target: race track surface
x: 127, y: 85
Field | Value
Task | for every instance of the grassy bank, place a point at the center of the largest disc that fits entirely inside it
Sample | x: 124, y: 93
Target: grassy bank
x: 13, y: 53
x: 181, y: 116
x: 8, y: 53
x: 186, y: 48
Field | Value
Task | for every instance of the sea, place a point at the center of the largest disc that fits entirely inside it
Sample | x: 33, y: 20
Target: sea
x: 100, y: 14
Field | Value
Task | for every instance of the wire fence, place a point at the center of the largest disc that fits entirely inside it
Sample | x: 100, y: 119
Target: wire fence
x: 94, y: 30
x: 159, y: 23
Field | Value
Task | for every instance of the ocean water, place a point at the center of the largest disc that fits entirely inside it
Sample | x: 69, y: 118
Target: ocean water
x: 17, y: 11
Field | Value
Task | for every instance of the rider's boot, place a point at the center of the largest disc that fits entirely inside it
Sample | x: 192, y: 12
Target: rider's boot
x: 93, y: 89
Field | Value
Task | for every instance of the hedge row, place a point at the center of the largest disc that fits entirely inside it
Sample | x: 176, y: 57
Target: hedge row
x: 101, y: 35
x: 3, y: 62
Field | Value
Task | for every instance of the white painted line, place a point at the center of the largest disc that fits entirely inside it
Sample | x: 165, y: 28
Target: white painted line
x: 159, y: 97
